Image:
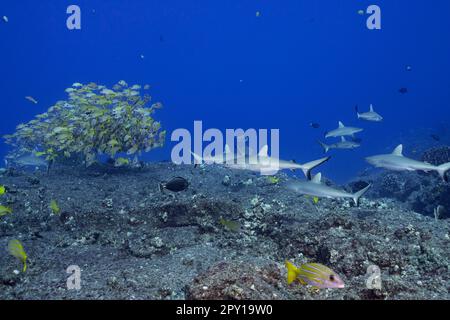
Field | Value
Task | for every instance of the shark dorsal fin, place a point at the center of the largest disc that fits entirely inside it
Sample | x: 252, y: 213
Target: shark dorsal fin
x: 317, y: 178
x: 343, y: 139
x: 398, y: 151
x: 371, y: 108
x: 264, y: 152
x: 341, y: 125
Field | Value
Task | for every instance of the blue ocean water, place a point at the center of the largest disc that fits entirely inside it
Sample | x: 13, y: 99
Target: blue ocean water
x: 294, y: 63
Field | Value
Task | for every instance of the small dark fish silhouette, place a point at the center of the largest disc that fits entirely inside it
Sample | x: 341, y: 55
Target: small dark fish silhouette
x: 315, y: 125
x: 403, y: 90
x: 408, y: 68
x: 176, y: 184
x: 435, y: 137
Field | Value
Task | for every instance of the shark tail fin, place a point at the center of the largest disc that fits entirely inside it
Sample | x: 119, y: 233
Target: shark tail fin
x: 442, y: 170
x: 325, y: 147
x: 307, y: 167
x: 360, y: 193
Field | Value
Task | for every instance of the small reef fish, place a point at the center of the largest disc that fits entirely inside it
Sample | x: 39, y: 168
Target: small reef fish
x: 314, y: 199
x: 146, y: 87
x: 120, y: 162
x: 314, y: 274
x: 343, y: 144
x: 176, y: 184
x: 5, y: 18
x: 31, y: 99
x: 4, y: 210
x: 371, y: 115
x: 361, y: 12
x: 273, y: 179
x: 435, y: 137
x: 397, y: 162
x: 55, y: 208
x: 233, y: 226
x: 342, y: 130
x: 15, y: 248
x: 408, y: 68
x: 403, y: 90
x: 31, y: 161
x: 258, y: 14
x: 2, y: 190
x: 314, y: 125
x: 107, y: 91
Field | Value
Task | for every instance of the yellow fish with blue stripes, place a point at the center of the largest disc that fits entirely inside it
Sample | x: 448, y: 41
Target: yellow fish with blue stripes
x: 314, y: 274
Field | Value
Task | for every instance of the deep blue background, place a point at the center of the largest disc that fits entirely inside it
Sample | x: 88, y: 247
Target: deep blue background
x: 300, y: 61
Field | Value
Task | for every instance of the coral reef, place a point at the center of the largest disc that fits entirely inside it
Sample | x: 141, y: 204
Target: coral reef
x: 437, y: 156
x: 94, y: 120
x: 133, y: 241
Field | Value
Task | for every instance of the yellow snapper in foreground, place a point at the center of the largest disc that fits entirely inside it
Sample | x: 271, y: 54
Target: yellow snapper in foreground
x: 314, y: 274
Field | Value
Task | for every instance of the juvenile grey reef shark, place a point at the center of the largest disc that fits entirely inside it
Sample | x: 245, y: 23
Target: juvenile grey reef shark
x: 342, y: 131
x: 397, y: 162
x: 262, y: 163
x: 316, y: 188
x: 371, y: 115
x: 343, y: 144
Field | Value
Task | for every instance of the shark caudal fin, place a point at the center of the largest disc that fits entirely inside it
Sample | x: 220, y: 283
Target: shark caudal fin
x: 325, y: 147
x: 307, y: 167
x: 442, y: 170
x: 359, y: 194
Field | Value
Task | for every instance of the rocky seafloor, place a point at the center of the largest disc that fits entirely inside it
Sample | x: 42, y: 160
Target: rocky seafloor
x: 132, y: 241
